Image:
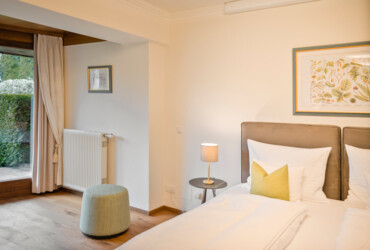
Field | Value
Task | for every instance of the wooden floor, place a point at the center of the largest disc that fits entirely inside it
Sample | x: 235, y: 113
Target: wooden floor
x: 51, y: 221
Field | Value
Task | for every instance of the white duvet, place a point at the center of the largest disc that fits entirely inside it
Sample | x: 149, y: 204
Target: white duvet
x: 234, y: 220
x: 355, y: 230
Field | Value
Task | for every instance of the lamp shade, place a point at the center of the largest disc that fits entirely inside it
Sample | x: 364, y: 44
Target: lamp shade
x: 209, y: 152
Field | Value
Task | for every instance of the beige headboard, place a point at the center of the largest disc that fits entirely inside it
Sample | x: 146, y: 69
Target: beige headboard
x: 297, y: 135
x: 357, y: 137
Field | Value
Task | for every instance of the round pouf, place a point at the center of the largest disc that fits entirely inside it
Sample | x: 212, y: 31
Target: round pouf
x: 105, y: 211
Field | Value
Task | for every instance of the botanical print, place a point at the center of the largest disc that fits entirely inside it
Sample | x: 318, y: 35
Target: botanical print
x: 342, y: 81
x: 332, y: 80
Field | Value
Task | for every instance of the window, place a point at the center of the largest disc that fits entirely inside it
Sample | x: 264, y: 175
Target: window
x: 16, y: 96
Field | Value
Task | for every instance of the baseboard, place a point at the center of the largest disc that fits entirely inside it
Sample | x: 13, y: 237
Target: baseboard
x: 171, y: 209
x: 71, y: 191
x: 142, y: 211
x: 174, y: 210
x: 156, y: 210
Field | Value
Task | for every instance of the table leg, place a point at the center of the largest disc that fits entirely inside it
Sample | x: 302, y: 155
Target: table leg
x: 204, y: 195
x: 214, y: 192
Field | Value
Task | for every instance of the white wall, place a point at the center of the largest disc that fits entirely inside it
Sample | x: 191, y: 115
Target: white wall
x: 224, y: 70
x: 125, y: 112
x: 217, y: 72
x: 157, y: 123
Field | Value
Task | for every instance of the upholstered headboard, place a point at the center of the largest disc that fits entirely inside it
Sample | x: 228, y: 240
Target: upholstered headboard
x: 357, y: 137
x: 297, y: 135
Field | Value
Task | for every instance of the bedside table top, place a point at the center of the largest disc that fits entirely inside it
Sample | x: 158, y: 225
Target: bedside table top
x: 198, y: 182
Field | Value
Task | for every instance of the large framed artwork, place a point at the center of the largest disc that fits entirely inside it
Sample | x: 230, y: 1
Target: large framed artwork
x: 332, y: 80
x: 100, y: 79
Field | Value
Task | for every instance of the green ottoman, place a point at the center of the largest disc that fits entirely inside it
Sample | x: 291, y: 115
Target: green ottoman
x: 105, y: 211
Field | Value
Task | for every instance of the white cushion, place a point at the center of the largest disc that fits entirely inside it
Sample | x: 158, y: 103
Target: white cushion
x: 359, y: 165
x: 312, y: 160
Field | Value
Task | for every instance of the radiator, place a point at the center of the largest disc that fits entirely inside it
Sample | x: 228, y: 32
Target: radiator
x: 84, y: 159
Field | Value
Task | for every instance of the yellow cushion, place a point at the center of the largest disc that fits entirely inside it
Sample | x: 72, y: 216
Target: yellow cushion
x: 274, y: 185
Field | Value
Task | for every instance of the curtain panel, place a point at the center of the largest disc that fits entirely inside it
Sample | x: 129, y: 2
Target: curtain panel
x: 48, y: 113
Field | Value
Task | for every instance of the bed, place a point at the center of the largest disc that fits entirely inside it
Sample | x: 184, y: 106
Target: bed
x: 237, y: 219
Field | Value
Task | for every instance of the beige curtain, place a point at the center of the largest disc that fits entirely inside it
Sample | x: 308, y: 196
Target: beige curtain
x: 48, y: 113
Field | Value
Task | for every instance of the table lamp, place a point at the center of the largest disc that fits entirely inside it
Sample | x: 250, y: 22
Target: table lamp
x: 209, y: 153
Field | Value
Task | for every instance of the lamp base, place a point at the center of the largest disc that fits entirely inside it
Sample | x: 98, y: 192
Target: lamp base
x: 208, y: 182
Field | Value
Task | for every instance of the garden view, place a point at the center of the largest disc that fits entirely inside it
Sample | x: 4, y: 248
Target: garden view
x: 16, y: 92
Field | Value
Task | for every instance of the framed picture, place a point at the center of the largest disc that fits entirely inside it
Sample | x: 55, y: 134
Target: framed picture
x: 100, y: 79
x: 332, y: 80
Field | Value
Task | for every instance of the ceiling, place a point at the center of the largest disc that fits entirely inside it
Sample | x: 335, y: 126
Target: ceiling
x: 183, y: 5
x: 173, y: 6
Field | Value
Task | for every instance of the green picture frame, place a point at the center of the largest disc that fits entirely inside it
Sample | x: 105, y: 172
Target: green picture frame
x: 99, y: 79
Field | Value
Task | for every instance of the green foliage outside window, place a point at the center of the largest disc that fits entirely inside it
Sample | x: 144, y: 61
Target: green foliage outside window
x: 16, y: 91
x: 15, y: 124
x: 15, y: 67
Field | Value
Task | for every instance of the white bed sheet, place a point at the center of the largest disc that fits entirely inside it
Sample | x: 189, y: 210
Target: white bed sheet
x: 355, y: 230
x: 228, y: 220
x: 320, y: 228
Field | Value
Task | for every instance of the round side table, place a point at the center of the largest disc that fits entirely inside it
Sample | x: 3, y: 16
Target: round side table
x: 198, y: 182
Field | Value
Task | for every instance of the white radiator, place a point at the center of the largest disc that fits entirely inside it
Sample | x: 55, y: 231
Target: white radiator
x: 84, y: 159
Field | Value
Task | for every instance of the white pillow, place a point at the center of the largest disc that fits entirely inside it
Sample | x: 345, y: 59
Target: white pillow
x: 312, y: 160
x: 295, y: 176
x: 359, y: 165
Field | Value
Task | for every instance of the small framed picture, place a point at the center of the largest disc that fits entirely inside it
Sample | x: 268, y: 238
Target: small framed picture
x: 100, y: 79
